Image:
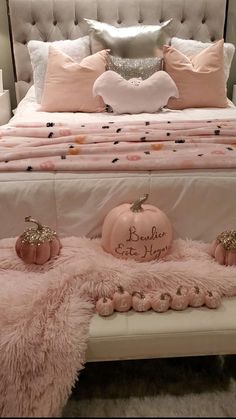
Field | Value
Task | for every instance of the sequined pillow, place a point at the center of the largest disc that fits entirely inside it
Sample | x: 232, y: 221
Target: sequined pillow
x: 129, y: 42
x: 130, y: 68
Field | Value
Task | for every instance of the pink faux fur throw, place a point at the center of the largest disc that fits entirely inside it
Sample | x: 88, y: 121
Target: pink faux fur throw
x: 45, y: 312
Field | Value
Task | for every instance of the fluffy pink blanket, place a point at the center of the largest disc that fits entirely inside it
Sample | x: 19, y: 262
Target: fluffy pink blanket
x: 45, y: 312
x: 112, y: 146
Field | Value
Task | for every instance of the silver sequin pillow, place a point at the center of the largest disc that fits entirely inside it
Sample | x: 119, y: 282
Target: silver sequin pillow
x: 130, y: 68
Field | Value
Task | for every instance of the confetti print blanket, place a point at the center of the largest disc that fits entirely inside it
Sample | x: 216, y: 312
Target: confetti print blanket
x: 137, y: 146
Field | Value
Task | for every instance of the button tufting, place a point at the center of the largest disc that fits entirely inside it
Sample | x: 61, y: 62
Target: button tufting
x: 54, y: 22
x: 119, y: 21
x: 203, y: 20
x: 33, y: 23
x: 182, y: 20
x: 213, y: 39
x: 140, y: 20
x: 76, y: 22
x: 24, y: 42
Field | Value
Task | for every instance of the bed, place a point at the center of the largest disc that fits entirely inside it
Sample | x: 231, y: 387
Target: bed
x: 69, y: 198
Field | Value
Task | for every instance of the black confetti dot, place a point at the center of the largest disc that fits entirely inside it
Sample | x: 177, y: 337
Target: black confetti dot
x: 200, y: 155
x: 118, y: 130
x: 71, y: 146
x: 142, y: 138
x: 168, y: 134
x: 217, y: 132
x: 174, y: 151
x: 82, y: 126
x: 147, y: 123
x: 168, y: 122
x: 50, y: 134
x: 146, y: 132
x: 116, y: 142
x: 230, y: 149
x: 115, y: 160
x: 146, y: 152
x: 209, y: 122
x: 111, y: 122
x: 50, y: 124
x: 218, y: 126
x: 29, y: 168
x: 63, y: 157
x: 179, y: 141
x: 105, y: 127
x: 6, y: 161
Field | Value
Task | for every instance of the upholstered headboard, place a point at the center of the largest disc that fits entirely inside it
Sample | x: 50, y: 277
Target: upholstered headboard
x: 51, y: 20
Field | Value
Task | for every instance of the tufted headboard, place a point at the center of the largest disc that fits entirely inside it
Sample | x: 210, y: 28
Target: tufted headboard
x: 52, y: 20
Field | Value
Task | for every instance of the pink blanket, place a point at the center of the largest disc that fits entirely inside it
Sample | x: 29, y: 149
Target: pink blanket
x: 112, y: 146
x: 45, y: 312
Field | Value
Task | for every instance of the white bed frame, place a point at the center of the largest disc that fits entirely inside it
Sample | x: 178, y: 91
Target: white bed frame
x: 129, y: 335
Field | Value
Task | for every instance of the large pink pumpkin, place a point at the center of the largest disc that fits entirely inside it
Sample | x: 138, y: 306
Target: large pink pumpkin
x: 139, y: 232
x: 37, y: 245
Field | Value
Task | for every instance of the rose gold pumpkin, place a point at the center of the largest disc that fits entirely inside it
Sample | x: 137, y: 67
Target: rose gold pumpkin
x: 141, y: 302
x: 196, y: 297
x: 104, y: 306
x: 37, y: 245
x: 122, y: 300
x: 180, y: 300
x: 142, y: 233
x: 223, y: 248
x: 161, y: 302
x: 212, y: 299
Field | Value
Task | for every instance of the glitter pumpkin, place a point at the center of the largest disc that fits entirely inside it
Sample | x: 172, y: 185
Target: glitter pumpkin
x: 37, y: 245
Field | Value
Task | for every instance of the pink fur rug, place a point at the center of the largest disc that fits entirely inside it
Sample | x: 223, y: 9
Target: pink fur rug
x: 45, y: 312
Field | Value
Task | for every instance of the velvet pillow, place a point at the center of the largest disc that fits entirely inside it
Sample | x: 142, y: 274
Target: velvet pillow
x: 135, y: 95
x: 68, y: 85
x: 38, y: 51
x: 130, y: 68
x: 191, y: 47
x: 128, y: 42
x: 200, y: 79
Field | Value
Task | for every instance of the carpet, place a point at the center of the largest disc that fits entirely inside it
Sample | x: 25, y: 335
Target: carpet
x: 46, y: 310
x: 175, y: 387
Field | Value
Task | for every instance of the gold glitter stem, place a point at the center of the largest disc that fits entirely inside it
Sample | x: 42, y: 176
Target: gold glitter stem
x: 29, y: 219
x: 137, y: 205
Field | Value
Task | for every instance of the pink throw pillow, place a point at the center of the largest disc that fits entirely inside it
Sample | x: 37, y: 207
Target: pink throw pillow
x: 68, y: 85
x: 135, y: 95
x: 199, y: 79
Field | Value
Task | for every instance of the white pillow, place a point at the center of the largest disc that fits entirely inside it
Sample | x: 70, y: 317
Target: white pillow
x: 77, y: 49
x: 191, y: 47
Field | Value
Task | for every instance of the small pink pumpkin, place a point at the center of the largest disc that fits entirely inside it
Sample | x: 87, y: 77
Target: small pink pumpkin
x: 37, y: 245
x: 161, y: 302
x: 180, y: 300
x: 141, y: 302
x: 139, y: 232
x: 212, y: 299
x: 196, y: 297
x: 105, y: 306
x: 122, y: 300
x: 223, y: 248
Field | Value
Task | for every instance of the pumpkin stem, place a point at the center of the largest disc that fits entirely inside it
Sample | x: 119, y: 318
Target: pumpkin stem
x: 32, y: 220
x: 164, y: 295
x: 120, y: 289
x: 137, y: 205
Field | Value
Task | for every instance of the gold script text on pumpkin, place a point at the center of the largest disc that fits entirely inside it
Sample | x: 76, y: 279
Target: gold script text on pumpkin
x: 134, y: 236
x: 122, y: 250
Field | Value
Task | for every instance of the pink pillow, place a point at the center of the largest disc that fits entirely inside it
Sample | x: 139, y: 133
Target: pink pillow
x: 135, y: 95
x: 200, y: 79
x: 68, y: 85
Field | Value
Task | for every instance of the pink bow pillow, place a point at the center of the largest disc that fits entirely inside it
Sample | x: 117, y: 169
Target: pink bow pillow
x: 135, y: 95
